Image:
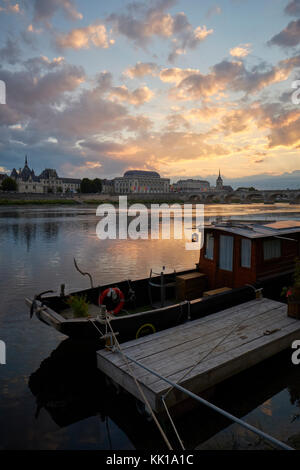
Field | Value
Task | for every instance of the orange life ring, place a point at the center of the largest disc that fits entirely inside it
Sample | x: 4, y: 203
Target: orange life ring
x: 119, y: 293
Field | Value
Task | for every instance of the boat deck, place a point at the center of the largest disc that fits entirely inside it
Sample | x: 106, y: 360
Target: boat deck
x: 204, y: 352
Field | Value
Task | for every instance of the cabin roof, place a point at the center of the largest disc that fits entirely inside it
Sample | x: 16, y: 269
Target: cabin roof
x: 257, y: 230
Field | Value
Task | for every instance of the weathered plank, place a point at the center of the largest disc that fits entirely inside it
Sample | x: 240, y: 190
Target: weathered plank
x: 174, y: 352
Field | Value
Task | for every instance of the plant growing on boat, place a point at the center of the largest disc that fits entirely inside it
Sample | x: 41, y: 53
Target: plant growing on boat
x: 79, y: 305
x: 293, y: 292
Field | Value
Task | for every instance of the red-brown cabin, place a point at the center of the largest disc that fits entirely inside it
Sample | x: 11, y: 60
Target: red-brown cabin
x: 235, y: 254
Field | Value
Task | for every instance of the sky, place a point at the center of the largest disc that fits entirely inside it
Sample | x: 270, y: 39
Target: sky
x: 184, y: 88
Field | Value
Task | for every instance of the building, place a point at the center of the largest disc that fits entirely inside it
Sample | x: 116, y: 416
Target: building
x: 191, y: 186
x: 47, y: 182
x: 107, y: 186
x: 220, y: 186
x: 219, y: 183
x: 140, y: 181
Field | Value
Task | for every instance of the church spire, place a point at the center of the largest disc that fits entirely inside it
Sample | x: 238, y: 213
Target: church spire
x: 26, y: 162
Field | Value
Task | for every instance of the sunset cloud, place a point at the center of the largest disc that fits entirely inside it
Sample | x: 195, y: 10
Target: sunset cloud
x: 9, y: 7
x: 240, y: 51
x: 141, y: 23
x: 137, y: 97
x: 141, y: 69
x: 288, y: 37
x: 101, y: 109
x: 225, y: 76
x: 44, y: 10
x: 83, y: 38
x: 293, y: 8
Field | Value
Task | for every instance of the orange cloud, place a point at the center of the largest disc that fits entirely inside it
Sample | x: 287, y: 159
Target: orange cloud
x: 136, y: 97
x: 83, y: 38
x: 140, y: 69
x: 240, y: 51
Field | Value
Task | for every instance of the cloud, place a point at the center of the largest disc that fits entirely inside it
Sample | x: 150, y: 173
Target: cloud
x: 137, y: 97
x: 41, y: 106
x: 191, y: 84
x: 285, y: 130
x: 44, y: 10
x: 288, y: 37
x: 39, y: 85
x: 185, y: 36
x: 293, y: 8
x: 176, y: 122
x: 140, y: 69
x: 240, y: 51
x: 83, y: 38
x: 141, y: 23
x: 10, y: 8
x: 176, y: 74
x: 11, y: 52
x: 214, y: 10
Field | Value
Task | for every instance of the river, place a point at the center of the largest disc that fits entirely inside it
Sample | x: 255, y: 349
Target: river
x: 37, y: 247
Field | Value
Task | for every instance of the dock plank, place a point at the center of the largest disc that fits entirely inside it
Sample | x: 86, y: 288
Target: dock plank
x: 173, y: 352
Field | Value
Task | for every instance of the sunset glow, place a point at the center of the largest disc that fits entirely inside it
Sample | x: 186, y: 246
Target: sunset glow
x: 182, y: 88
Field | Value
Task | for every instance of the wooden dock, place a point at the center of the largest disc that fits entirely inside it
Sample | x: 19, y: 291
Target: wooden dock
x: 229, y: 342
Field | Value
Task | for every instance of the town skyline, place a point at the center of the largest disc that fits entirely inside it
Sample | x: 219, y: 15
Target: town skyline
x: 181, y: 88
x: 287, y: 181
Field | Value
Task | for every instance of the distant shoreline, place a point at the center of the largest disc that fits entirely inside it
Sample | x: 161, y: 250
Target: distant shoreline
x: 87, y: 203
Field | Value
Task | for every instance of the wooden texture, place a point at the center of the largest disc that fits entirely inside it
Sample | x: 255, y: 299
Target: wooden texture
x: 204, y: 352
x: 216, y: 291
x: 190, y: 286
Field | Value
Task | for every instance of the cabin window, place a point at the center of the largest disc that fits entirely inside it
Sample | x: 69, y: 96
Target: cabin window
x: 209, y: 246
x: 246, y: 253
x: 272, y: 249
x: 226, y: 252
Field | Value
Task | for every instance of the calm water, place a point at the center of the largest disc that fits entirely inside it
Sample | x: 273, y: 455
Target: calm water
x: 37, y: 246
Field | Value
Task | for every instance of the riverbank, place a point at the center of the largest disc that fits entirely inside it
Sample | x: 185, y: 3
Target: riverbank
x: 16, y: 199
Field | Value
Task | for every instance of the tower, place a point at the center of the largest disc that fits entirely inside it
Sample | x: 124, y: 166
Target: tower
x: 219, y: 182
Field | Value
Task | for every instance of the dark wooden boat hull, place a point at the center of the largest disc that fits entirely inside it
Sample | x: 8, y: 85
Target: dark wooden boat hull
x: 138, y: 324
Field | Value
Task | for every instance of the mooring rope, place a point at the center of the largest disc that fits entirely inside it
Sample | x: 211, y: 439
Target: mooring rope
x: 136, y: 382
x: 172, y: 423
x: 140, y: 388
x: 206, y: 355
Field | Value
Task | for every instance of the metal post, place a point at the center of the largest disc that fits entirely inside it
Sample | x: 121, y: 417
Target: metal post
x: 273, y: 440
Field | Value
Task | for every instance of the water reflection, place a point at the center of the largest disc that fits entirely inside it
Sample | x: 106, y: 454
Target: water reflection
x: 71, y: 389
x: 37, y: 246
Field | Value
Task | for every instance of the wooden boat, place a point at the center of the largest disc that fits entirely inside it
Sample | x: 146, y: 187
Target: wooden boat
x: 237, y: 260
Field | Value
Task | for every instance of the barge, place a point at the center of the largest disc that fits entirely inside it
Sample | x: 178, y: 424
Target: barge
x: 236, y: 262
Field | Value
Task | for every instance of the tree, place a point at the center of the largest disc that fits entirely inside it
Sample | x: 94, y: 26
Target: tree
x: 88, y: 186
x: 98, y: 184
x: 9, y: 184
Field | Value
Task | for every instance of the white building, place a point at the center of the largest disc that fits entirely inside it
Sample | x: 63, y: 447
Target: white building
x: 140, y: 181
x: 47, y: 182
x: 191, y: 186
x: 108, y: 186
